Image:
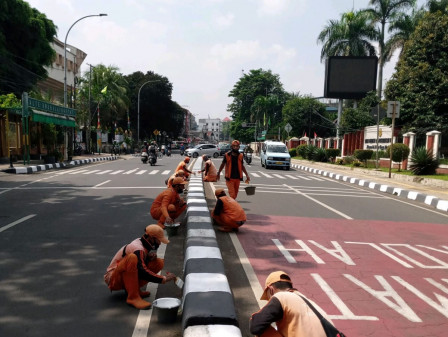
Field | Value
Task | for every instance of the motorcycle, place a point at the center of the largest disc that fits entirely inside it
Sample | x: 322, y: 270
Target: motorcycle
x: 77, y: 150
x: 168, y: 153
x: 144, y: 157
x: 152, y: 159
x: 248, y: 157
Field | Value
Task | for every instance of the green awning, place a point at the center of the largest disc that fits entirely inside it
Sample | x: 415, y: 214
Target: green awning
x: 50, y: 118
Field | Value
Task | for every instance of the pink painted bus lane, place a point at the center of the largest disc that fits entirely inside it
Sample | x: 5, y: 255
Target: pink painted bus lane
x: 371, y: 277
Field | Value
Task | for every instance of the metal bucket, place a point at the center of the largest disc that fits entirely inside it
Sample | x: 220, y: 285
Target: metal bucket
x: 250, y: 190
x: 171, y: 229
x: 167, y: 309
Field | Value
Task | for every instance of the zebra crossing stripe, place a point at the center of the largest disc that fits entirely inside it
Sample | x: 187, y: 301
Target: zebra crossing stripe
x: 166, y: 172
x: 80, y: 171
x: 141, y: 172
x: 153, y: 171
x: 90, y: 172
x: 266, y: 175
x: 290, y: 176
x: 254, y: 174
x: 104, y: 172
x: 131, y: 171
x: 304, y: 178
x: 116, y: 172
x: 279, y: 176
x: 315, y: 178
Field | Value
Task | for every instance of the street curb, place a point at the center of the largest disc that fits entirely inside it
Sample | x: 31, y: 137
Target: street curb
x: 208, y: 306
x: 45, y: 167
x: 399, y: 192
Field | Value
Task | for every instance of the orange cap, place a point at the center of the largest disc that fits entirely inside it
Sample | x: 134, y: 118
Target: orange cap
x: 157, y: 232
x: 236, y: 142
x: 178, y: 181
x: 273, y: 277
x: 187, y: 159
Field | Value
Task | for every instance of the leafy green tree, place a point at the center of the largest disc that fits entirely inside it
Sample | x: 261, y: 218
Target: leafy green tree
x: 383, y: 11
x: 157, y: 110
x: 258, y: 97
x: 10, y: 101
x: 438, y: 5
x: 354, y: 119
x: 307, y: 115
x: 420, y: 82
x: 25, y: 46
x: 399, y: 153
x: 350, y: 36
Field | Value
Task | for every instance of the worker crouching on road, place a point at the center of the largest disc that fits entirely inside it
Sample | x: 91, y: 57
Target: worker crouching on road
x: 168, y: 205
x: 233, y: 162
x: 286, y: 307
x: 169, y: 181
x: 210, y: 173
x: 228, y: 213
x: 183, y: 166
x: 136, y: 264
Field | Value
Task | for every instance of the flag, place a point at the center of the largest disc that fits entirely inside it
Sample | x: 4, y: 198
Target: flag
x: 315, y: 134
x: 104, y: 91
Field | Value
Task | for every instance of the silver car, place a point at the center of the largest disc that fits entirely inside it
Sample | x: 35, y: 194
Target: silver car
x: 210, y: 150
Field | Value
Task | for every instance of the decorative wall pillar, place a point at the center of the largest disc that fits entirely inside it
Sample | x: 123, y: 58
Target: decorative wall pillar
x: 433, y: 141
x: 409, y: 140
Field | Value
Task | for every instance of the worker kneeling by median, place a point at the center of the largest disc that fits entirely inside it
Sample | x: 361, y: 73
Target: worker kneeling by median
x: 228, y: 213
x: 136, y: 264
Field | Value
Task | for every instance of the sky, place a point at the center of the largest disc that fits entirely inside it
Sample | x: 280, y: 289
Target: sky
x: 203, y: 47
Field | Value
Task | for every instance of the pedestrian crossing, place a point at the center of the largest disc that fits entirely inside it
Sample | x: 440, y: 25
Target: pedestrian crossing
x: 153, y: 172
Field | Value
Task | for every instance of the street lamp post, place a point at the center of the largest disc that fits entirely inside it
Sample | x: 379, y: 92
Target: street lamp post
x: 65, y: 54
x: 138, y: 107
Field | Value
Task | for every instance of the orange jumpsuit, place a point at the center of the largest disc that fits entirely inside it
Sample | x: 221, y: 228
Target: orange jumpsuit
x: 228, y: 213
x: 233, y: 181
x: 211, y: 174
x: 183, y: 166
x: 167, y: 199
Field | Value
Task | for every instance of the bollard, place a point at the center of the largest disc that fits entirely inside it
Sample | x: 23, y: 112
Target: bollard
x: 10, y: 160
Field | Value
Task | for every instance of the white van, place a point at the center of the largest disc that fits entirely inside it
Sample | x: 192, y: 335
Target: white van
x: 275, y: 154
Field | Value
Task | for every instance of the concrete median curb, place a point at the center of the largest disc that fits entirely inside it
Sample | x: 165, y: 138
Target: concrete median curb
x: 402, y: 193
x: 45, y: 167
x: 208, y: 306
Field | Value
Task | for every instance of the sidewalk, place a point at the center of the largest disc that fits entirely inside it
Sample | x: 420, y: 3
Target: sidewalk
x: 432, y: 192
x: 38, y: 165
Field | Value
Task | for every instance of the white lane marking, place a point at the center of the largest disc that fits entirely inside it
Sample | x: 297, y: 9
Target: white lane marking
x: 144, y: 316
x: 166, y: 172
x: 17, y: 222
x: 104, y: 172
x: 105, y: 182
x: 279, y: 176
x: 141, y: 172
x: 90, y: 172
x: 154, y: 172
x: 266, y: 175
x: 290, y: 176
x: 79, y: 171
x: 116, y: 172
x: 304, y: 178
x: 131, y: 171
x: 254, y: 174
x: 316, y: 178
x: 320, y: 203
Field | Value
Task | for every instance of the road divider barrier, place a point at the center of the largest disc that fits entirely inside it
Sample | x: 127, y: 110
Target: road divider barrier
x: 208, y: 306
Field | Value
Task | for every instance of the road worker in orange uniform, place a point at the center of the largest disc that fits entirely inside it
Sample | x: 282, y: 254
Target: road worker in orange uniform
x: 233, y: 162
x: 183, y: 166
x: 168, y: 205
x: 228, y: 213
x: 136, y: 264
x: 169, y: 181
x: 210, y: 173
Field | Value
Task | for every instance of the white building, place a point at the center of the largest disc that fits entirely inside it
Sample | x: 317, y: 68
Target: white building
x: 210, y: 128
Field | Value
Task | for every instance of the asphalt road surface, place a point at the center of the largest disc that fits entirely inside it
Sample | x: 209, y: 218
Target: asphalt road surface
x: 373, y: 262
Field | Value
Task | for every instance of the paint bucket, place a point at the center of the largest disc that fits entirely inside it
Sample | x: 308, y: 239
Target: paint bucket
x: 250, y: 190
x: 166, y: 309
x: 171, y: 229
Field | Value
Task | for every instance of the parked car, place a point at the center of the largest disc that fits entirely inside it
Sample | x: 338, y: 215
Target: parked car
x: 223, y: 148
x: 210, y: 150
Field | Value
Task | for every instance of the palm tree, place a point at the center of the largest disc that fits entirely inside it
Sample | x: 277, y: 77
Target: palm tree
x: 401, y: 29
x: 350, y: 36
x: 382, y: 12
